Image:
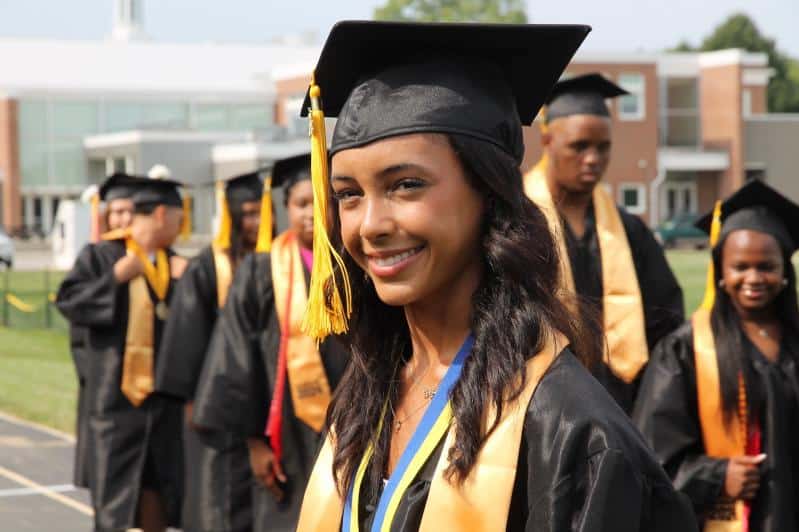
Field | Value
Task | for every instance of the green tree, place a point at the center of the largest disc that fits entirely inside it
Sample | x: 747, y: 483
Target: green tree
x: 509, y: 11
x: 739, y: 31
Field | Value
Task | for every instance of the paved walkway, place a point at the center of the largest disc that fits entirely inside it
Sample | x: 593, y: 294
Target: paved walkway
x: 36, y: 491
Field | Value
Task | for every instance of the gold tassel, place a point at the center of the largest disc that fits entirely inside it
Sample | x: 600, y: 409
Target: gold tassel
x: 185, y: 225
x: 94, y: 232
x: 710, y: 283
x: 324, y: 316
x: 543, y: 163
x: 222, y: 238
x: 264, y: 242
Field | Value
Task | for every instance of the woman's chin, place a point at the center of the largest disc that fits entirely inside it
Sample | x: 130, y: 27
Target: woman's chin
x: 396, y: 296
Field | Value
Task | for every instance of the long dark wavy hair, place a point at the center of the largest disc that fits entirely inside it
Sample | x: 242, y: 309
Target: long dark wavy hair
x: 732, y: 346
x: 514, y: 308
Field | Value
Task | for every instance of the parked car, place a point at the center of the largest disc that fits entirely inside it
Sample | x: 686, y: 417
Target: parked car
x: 681, y: 231
x: 6, y: 249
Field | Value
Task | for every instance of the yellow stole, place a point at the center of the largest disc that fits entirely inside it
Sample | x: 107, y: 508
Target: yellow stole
x: 626, y: 351
x: 449, y: 506
x: 310, y: 390
x: 721, y: 440
x: 224, y: 273
x: 137, y: 366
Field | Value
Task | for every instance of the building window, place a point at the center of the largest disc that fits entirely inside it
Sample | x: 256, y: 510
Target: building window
x: 633, y: 197
x: 633, y: 105
x: 746, y: 103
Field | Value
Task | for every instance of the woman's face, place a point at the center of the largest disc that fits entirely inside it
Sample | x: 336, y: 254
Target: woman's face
x: 120, y: 213
x: 300, y: 212
x: 408, y: 215
x: 752, y: 269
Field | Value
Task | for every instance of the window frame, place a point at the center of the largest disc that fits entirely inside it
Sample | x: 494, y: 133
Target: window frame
x: 639, y: 92
x: 640, y: 189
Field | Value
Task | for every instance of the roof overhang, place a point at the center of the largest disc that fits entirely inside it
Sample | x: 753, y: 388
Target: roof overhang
x: 691, y: 160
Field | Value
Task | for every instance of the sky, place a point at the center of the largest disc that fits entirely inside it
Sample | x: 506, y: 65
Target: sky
x: 619, y: 25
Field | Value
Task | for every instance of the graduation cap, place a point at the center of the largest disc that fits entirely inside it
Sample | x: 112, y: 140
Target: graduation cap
x: 235, y: 191
x: 383, y: 79
x: 581, y: 95
x: 117, y: 186
x: 149, y: 191
x: 286, y: 172
x: 757, y: 207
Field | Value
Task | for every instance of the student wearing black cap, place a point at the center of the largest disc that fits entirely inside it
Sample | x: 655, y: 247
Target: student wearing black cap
x: 609, y: 258
x: 217, y: 481
x: 115, y: 194
x: 463, y: 407
x: 263, y: 380
x: 720, y: 400
x: 120, y: 290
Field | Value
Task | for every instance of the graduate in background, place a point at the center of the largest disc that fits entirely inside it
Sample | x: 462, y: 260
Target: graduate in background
x: 263, y: 379
x: 114, y: 194
x: 462, y: 408
x: 217, y: 482
x: 720, y: 400
x: 120, y: 290
x: 609, y: 257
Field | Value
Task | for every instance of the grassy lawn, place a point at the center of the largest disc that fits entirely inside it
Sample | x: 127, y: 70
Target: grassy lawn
x: 37, y: 379
x: 690, y: 267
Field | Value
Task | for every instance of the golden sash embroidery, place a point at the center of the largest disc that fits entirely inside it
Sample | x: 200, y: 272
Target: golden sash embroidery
x: 310, y: 390
x: 622, y: 305
x: 224, y: 273
x: 721, y: 440
x: 137, y: 365
x: 448, y: 507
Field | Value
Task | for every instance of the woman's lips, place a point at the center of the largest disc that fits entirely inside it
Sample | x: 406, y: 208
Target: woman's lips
x: 388, y: 264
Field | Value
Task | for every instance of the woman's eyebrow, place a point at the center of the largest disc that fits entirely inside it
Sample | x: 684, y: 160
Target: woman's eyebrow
x: 402, y: 167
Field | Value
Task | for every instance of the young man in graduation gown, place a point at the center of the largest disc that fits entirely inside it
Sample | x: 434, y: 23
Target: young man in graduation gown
x: 217, y: 475
x: 263, y: 379
x: 610, y: 259
x: 118, y: 214
x: 119, y: 290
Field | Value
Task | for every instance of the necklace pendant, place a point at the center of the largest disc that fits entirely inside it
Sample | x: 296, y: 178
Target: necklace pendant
x: 763, y: 333
x: 162, y: 311
x: 429, y: 394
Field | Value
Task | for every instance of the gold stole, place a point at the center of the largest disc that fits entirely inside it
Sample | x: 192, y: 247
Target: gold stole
x: 721, y: 440
x: 137, y: 365
x: 481, y: 503
x: 310, y: 391
x: 622, y: 306
x: 224, y: 273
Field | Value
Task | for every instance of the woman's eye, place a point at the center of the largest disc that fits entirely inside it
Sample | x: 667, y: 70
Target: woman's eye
x: 409, y: 184
x: 344, y: 194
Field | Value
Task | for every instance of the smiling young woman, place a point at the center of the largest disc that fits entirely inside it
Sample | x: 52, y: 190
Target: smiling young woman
x: 720, y: 401
x: 466, y: 405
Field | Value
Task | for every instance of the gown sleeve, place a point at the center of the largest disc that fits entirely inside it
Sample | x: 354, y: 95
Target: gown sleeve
x: 661, y: 293
x: 666, y: 415
x: 233, y: 390
x: 89, y: 293
x: 191, y: 321
x: 584, y: 468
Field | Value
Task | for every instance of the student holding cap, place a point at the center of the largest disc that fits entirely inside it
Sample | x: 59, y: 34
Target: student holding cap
x: 609, y: 258
x: 466, y: 405
x: 217, y: 481
x: 120, y: 290
x: 263, y: 380
x: 720, y: 400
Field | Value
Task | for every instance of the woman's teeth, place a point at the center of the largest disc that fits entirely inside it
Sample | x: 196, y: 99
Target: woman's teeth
x: 395, y: 259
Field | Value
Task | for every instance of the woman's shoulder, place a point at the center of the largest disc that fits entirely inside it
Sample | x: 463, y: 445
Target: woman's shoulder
x: 575, y: 416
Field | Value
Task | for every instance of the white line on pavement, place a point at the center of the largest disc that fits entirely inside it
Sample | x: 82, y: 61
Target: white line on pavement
x: 44, y: 490
x: 17, y: 492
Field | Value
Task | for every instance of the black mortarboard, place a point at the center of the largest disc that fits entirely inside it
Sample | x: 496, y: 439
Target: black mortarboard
x: 148, y: 191
x: 117, y: 185
x: 758, y: 207
x: 244, y: 188
x: 384, y: 79
x: 582, y: 95
x: 288, y: 171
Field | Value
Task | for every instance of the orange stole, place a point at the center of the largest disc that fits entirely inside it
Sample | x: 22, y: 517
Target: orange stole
x: 622, y: 305
x: 310, y: 390
x: 721, y: 440
x: 449, y: 507
x: 224, y: 273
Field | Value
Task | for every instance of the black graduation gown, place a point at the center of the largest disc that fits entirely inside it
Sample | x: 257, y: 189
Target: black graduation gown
x: 217, y: 467
x: 77, y: 346
x: 130, y: 447
x: 660, y: 292
x: 667, y: 415
x: 582, y: 467
x: 236, y: 385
